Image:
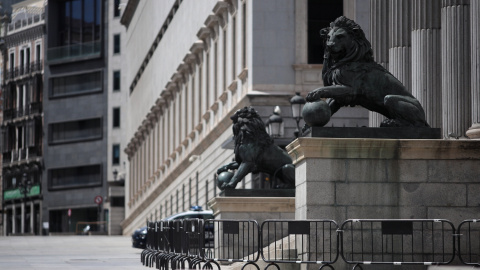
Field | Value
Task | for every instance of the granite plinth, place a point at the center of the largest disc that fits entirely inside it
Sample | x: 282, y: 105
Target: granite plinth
x: 258, y: 193
x: 375, y: 133
x: 353, y: 178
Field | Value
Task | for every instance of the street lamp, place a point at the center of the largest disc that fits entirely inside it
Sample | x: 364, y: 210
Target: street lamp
x: 297, y: 103
x: 115, y: 174
x: 24, y: 187
x: 275, y: 123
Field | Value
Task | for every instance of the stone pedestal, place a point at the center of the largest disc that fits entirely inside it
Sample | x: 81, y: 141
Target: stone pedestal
x: 253, y: 208
x: 360, y: 178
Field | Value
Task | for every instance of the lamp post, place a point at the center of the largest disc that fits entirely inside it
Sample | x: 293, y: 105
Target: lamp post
x: 275, y: 123
x: 24, y: 187
x: 297, y: 103
x: 115, y: 174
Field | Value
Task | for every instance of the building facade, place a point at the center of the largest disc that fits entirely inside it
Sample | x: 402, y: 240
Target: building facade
x: 117, y: 120
x: 75, y: 115
x: 191, y: 65
x: 22, y: 125
x: 190, y: 68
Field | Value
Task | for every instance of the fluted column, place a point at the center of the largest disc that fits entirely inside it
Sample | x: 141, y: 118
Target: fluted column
x: 399, y: 53
x: 456, y: 90
x: 380, y: 43
x: 474, y: 130
x: 426, y: 61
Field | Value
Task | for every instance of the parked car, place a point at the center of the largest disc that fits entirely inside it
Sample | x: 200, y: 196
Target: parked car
x: 139, y: 237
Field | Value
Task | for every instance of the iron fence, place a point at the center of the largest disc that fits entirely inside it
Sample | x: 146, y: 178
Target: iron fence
x: 300, y: 241
x: 179, y: 244
x: 232, y: 241
x: 397, y: 242
x: 468, y: 233
x: 197, y: 243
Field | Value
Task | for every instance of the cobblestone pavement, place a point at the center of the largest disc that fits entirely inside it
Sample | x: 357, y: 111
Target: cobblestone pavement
x: 69, y: 252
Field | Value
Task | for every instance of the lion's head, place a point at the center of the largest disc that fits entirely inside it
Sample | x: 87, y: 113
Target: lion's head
x: 345, y: 42
x: 249, y: 127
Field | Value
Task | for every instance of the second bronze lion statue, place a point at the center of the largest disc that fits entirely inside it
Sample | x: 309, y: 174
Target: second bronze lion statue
x: 351, y: 77
x: 256, y: 152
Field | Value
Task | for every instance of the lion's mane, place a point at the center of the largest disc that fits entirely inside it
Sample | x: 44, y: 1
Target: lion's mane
x: 362, y: 51
x: 248, y: 127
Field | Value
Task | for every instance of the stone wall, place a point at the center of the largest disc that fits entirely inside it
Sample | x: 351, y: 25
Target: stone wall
x: 343, y: 179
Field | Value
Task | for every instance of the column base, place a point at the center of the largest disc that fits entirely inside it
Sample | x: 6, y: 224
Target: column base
x: 474, y: 132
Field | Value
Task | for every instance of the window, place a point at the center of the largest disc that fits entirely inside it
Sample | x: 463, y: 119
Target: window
x: 79, y: 21
x: 12, y: 61
x: 116, y: 43
x: 75, y: 177
x: 38, y: 51
x: 20, y: 137
x: 116, y: 117
x: 74, y: 131
x: 320, y: 15
x: 116, y: 154
x: 116, y: 80
x: 116, y: 8
x: 76, y: 84
x: 118, y: 202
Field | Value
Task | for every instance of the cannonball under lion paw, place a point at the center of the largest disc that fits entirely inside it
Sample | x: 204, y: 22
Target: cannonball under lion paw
x: 317, y: 113
x: 224, y: 178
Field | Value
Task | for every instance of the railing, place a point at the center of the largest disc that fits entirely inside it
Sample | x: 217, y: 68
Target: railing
x: 33, y: 108
x: 308, y: 241
x: 74, y: 52
x: 232, y: 241
x: 177, y: 243
x: 24, y: 70
x: 468, y: 233
x: 191, y: 243
x: 397, y: 242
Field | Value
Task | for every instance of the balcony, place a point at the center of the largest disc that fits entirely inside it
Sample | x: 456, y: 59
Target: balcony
x: 19, y: 72
x: 19, y: 155
x: 34, y: 108
x: 74, y: 52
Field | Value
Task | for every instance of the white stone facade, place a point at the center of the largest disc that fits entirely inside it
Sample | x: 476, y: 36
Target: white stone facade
x: 191, y: 64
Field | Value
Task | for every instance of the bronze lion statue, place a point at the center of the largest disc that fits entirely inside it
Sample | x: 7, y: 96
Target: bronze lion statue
x: 256, y: 152
x: 351, y: 77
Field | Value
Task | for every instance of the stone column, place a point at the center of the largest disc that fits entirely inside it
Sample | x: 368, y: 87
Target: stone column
x: 399, y: 53
x: 426, y: 61
x: 456, y: 93
x: 474, y: 130
x: 380, y: 43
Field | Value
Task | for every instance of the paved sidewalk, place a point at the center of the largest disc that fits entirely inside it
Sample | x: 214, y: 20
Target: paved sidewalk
x: 69, y: 252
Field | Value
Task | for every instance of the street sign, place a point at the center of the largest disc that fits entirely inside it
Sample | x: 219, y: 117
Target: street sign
x: 98, y: 199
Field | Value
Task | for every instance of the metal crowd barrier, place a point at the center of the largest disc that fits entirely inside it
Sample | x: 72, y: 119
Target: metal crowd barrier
x: 397, y: 242
x: 469, y: 242
x: 234, y: 241
x: 308, y: 241
x: 204, y: 244
x: 179, y: 244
